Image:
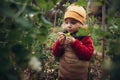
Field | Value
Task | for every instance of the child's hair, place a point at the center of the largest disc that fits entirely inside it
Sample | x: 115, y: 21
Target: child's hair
x: 76, y: 12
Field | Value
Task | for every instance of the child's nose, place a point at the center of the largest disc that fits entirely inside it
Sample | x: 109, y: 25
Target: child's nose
x: 69, y: 25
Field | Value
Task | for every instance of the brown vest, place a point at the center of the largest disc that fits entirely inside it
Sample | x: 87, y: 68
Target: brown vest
x: 71, y: 67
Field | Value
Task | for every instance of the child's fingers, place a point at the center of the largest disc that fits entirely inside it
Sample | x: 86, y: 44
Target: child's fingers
x: 60, y: 33
x: 61, y: 37
x: 70, y: 39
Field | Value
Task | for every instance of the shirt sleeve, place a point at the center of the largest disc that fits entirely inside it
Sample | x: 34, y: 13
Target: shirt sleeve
x: 57, y: 49
x: 83, y: 49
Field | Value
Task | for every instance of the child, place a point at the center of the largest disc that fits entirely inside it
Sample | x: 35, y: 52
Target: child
x: 74, y: 51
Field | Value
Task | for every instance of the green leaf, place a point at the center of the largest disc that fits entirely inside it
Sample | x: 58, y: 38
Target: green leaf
x: 23, y: 22
x: 14, y: 36
x: 81, y: 2
x: 45, y: 20
x: 83, y: 32
x: 4, y: 65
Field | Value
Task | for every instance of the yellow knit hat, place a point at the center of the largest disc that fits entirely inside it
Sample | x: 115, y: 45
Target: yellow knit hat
x: 76, y: 12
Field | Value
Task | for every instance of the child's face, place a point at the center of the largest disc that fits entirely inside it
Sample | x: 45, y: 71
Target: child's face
x: 71, y: 25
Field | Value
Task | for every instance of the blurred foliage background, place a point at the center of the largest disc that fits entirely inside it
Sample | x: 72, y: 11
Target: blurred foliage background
x: 28, y: 29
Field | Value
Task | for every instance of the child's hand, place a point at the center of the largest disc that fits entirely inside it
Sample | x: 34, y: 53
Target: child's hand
x: 69, y: 40
x: 61, y: 37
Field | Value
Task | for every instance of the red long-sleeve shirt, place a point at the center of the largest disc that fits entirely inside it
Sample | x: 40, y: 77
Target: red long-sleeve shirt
x: 83, y: 49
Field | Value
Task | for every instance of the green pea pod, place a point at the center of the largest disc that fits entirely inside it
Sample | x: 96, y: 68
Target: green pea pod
x: 67, y: 35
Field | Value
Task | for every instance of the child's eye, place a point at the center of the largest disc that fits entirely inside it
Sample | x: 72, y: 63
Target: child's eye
x: 73, y: 22
x: 66, y: 22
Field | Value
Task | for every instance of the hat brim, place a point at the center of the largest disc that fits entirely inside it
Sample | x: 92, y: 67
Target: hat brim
x: 74, y: 15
